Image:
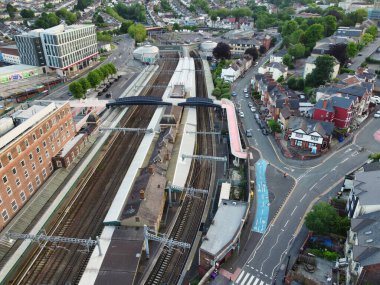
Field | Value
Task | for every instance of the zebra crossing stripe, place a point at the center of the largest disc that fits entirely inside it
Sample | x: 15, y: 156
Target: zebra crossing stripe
x: 240, y: 276
x: 245, y: 279
x: 250, y: 280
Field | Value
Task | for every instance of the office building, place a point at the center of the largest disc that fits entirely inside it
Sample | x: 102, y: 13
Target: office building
x: 69, y: 48
x: 29, y: 139
x: 30, y: 48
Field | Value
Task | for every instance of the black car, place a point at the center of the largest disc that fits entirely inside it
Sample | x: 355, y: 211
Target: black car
x: 261, y: 124
x: 265, y: 132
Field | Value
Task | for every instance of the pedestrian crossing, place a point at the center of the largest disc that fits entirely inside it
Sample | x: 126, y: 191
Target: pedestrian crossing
x: 246, y: 278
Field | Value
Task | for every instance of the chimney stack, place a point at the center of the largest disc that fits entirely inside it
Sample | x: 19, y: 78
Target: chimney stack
x: 324, y: 103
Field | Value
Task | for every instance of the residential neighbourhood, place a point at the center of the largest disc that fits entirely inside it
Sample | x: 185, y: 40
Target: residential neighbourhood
x: 189, y: 142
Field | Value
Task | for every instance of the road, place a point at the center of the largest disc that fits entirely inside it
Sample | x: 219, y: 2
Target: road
x: 122, y: 58
x: 367, y: 51
x: 314, y: 179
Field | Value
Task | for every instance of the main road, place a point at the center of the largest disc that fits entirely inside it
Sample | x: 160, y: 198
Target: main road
x: 313, y: 179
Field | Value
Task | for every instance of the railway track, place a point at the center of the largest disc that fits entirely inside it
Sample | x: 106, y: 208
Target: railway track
x: 83, y: 215
x: 171, y: 262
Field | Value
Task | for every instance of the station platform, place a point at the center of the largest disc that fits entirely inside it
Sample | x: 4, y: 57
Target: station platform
x: 233, y: 130
x: 208, y: 78
x: 23, y: 222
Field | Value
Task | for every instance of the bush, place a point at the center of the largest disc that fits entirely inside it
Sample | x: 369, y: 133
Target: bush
x: 274, y: 126
x: 346, y: 70
x: 324, y: 253
x: 256, y: 95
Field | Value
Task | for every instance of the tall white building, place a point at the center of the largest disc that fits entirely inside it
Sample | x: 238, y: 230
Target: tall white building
x: 69, y: 48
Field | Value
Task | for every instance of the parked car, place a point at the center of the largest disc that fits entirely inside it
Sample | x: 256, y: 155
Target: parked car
x: 377, y: 115
x: 109, y: 95
x: 257, y: 117
x: 234, y: 94
x: 253, y: 109
x: 70, y: 94
x: 245, y: 90
x: 375, y: 99
x: 241, y: 114
x: 261, y: 124
x: 250, y: 104
x: 248, y: 133
x: 265, y: 132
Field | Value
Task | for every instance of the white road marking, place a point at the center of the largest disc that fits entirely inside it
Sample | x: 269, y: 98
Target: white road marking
x: 286, y: 223
x: 304, y: 195
x: 250, y: 280
x: 245, y: 278
x: 344, y: 160
x: 313, y: 186
x: 293, y: 210
x: 323, y: 177
x: 240, y: 276
x: 256, y: 281
x: 261, y: 283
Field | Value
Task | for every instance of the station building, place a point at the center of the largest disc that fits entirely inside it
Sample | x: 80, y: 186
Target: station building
x: 147, y: 54
x: 29, y: 139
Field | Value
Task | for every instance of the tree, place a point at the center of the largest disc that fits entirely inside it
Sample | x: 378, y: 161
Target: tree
x: 84, y: 83
x: 47, y: 20
x: 351, y: 49
x: 339, y: 51
x: 70, y: 18
x: 324, y: 67
x: 125, y: 26
x: 367, y: 38
x: 252, y: 52
x: 76, y: 89
x: 313, y: 34
x: 329, y: 22
x: 297, y: 51
x: 99, y: 21
x: 296, y: 37
x: 289, y: 27
x: 324, y: 219
x: 112, y: 68
x: 274, y: 126
x: 11, y: 10
x: 372, y: 31
x: 134, y: 12
x: 217, y: 92
x: 222, y: 51
x: 137, y: 32
x: 292, y: 83
x: 262, y: 49
x: 375, y: 156
x: 83, y: 4
x: 27, y: 13
x: 287, y: 60
x: 94, y: 78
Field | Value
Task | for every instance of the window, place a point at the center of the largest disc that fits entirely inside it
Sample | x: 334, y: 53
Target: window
x: 50, y: 166
x: 38, y: 150
x: 34, y: 137
x: 38, y: 181
x: 26, y: 173
x: 18, y: 149
x: 44, y: 172
x: 14, y: 205
x: 22, y: 195
x: 33, y: 166
x: 313, y: 138
x: 53, y: 147
x: 59, y: 142
x: 14, y: 171
x: 44, y: 143
x: 22, y: 163
x: 9, y: 155
x: 26, y: 143
x: 1, y: 200
x: 18, y: 183
x: 41, y: 131
x: 30, y: 156
x: 5, y: 179
x: 299, y: 143
x: 40, y: 159
x: 299, y: 135
x: 9, y: 191
x: 4, y: 213
x: 1, y: 165
x: 61, y: 128
x: 30, y: 187
x: 312, y: 145
x: 46, y: 153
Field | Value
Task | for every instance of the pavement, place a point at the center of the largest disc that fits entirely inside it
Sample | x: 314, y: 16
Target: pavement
x: 313, y: 180
x: 262, y: 198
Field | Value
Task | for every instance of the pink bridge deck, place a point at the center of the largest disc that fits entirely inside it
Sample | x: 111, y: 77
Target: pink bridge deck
x: 233, y: 129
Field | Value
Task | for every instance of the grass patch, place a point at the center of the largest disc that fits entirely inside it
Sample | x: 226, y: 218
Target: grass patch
x: 110, y: 11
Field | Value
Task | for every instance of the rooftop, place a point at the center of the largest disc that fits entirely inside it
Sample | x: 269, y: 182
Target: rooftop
x: 219, y: 236
x: 16, y: 68
x: 366, y: 187
x: 63, y: 28
x: 309, y: 126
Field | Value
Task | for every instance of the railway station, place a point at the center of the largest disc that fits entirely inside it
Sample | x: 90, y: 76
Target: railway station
x: 152, y: 160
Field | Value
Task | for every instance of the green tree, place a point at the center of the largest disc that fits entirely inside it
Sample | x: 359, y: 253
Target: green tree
x: 125, y: 26
x: 324, y: 219
x: 11, y: 10
x: 322, y: 73
x: 217, y: 92
x: 103, y: 37
x: 287, y: 60
x: 352, y: 49
x: 252, y: 52
x: 112, y: 68
x: 360, y: 15
x: 297, y: 51
x: 372, y: 31
x: 27, y: 13
x: 289, y: 27
x: 84, y: 83
x: 330, y: 24
x: 296, y: 37
x: 222, y: 51
x: 69, y: 17
x: 366, y: 38
x: 76, y: 89
x: 83, y: 4
x: 47, y: 20
x: 137, y: 32
x: 292, y: 83
x: 375, y: 156
x: 313, y: 34
x: 134, y: 12
x: 274, y: 126
x: 94, y: 78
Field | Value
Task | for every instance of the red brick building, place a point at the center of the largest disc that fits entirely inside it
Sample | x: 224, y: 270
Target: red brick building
x: 26, y: 152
